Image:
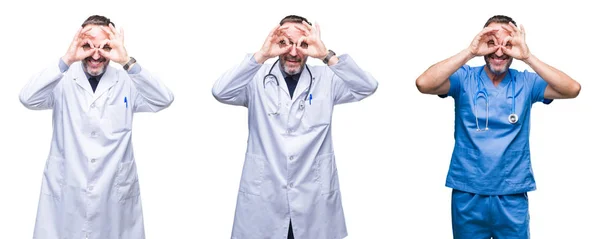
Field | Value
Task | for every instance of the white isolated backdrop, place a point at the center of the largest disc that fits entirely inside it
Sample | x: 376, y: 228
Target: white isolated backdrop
x: 393, y: 149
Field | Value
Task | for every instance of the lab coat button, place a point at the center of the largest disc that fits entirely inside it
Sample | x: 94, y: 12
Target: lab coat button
x: 93, y: 133
x: 90, y: 188
x: 291, y: 158
x: 93, y: 160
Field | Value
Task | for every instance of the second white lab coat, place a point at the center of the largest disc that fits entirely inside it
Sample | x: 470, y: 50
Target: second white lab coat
x: 289, y: 170
x: 90, y: 185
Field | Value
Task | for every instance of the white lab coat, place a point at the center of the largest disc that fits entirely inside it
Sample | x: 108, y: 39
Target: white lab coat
x: 289, y: 170
x: 90, y: 186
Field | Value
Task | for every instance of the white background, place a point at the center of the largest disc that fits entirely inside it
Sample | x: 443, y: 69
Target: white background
x: 393, y: 149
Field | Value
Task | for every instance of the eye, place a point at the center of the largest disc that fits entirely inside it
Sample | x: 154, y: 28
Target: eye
x: 490, y: 43
x: 508, y: 44
x: 106, y: 48
x: 86, y: 46
x: 303, y: 45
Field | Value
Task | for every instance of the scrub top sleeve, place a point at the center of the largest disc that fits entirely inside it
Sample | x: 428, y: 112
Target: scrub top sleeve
x: 539, y: 87
x: 455, y: 82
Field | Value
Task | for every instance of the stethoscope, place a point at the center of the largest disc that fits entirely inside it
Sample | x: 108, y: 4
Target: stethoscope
x: 272, y: 76
x: 482, y: 92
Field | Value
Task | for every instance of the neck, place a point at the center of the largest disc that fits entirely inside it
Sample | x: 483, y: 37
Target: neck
x: 496, y: 79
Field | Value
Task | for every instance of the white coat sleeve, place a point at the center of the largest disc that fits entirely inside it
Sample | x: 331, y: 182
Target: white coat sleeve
x: 40, y: 91
x: 233, y: 86
x: 151, y: 94
x: 350, y: 83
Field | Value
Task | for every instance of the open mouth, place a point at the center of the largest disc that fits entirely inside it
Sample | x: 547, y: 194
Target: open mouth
x: 495, y: 60
x: 95, y: 63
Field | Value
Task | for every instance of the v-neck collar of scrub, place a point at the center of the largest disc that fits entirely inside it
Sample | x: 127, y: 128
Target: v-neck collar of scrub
x: 489, y: 85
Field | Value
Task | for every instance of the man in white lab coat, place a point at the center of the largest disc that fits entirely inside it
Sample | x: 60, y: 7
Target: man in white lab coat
x: 90, y: 187
x: 289, y: 183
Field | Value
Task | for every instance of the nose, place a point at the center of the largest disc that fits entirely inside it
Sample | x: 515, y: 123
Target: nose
x: 96, y: 55
x: 499, y: 52
x: 293, y: 52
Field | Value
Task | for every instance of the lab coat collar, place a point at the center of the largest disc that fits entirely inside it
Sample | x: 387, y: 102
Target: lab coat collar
x: 108, y: 79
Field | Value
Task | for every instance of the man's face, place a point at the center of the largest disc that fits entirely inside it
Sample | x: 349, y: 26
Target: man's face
x: 95, y: 64
x: 293, y: 61
x: 498, y: 62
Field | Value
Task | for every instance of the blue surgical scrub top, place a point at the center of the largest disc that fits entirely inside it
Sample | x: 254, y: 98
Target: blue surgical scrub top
x: 496, y: 161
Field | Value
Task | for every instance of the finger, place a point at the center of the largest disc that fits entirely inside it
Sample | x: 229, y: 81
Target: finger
x: 509, y: 29
x: 113, y: 29
x: 488, y: 30
x: 303, y: 39
x: 111, y: 35
x: 77, y: 34
x: 122, y: 34
x: 85, y: 30
x: 89, y: 42
x: 283, y: 50
x: 308, y: 26
x: 303, y: 51
x: 514, y: 27
x: 281, y: 30
x: 281, y: 40
x: 304, y: 30
x: 522, y: 29
x: 104, y: 43
x: 273, y: 31
x: 89, y: 52
x: 506, y: 40
x: 507, y: 51
x: 104, y: 53
x: 318, y: 29
x: 495, y: 39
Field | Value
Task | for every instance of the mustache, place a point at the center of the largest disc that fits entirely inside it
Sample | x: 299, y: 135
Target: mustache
x: 494, y: 56
x: 292, y: 58
x: 101, y: 59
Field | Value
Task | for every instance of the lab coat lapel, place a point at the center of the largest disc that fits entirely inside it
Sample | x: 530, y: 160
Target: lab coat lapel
x: 302, y: 86
x: 109, y: 78
x: 82, y: 80
x: 282, y: 84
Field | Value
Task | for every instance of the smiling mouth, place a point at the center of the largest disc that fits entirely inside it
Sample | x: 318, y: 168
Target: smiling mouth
x: 95, y: 63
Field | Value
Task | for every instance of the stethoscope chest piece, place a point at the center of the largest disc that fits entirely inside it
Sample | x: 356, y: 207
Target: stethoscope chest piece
x: 513, y: 118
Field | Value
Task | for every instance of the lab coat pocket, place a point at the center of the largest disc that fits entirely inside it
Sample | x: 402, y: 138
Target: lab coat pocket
x: 120, y: 118
x: 252, y: 174
x: 127, y: 181
x: 317, y: 113
x: 326, y: 174
x: 53, y: 181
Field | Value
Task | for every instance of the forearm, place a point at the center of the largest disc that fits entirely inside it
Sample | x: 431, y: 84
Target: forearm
x: 231, y: 87
x: 38, y: 93
x: 435, y: 79
x: 152, y: 92
x: 562, y: 85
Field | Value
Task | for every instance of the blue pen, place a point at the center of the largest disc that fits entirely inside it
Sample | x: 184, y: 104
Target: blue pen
x: 125, y: 100
x: 310, y: 99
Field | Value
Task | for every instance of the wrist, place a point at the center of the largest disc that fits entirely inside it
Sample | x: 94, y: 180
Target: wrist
x: 529, y: 59
x: 468, y: 54
x: 260, y: 58
x: 67, y: 61
x: 327, y: 58
x: 129, y: 63
x: 125, y: 60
